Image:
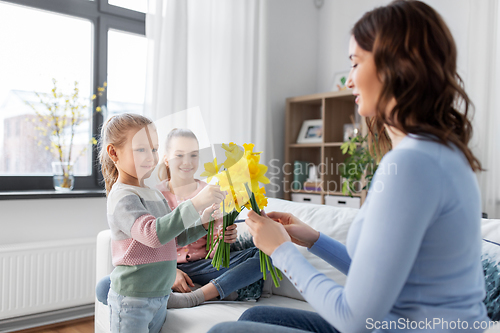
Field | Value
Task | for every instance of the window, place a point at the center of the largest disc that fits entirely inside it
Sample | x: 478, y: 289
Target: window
x: 137, y: 5
x: 127, y: 55
x: 68, y: 40
x: 60, y: 47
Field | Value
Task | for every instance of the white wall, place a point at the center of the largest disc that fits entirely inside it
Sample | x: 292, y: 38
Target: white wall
x: 337, y: 18
x: 292, y: 44
x: 39, y: 220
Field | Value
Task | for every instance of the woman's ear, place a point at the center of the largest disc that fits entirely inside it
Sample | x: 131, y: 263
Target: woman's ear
x: 165, y: 160
x: 112, y: 153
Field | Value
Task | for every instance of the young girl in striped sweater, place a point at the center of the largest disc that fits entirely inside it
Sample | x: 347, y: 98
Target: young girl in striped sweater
x: 143, y: 227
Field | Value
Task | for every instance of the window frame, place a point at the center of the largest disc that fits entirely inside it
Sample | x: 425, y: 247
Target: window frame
x: 103, y: 17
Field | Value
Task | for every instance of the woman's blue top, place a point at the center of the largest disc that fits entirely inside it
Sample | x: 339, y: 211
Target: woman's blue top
x: 413, y: 252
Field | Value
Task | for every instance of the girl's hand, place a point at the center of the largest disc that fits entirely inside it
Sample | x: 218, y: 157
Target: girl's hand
x: 267, y: 234
x: 231, y: 234
x: 300, y: 233
x: 209, y: 195
x: 211, y: 213
x: 182, y: 282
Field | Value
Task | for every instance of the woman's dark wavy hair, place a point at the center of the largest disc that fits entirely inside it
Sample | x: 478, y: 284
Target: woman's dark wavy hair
x: 416, y: 60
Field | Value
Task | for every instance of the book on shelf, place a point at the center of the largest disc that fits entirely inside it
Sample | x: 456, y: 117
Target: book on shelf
x: 312, y: 186
x: 300, y: 174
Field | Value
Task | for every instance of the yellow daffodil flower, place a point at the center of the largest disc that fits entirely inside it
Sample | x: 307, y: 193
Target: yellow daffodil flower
x: 257, y: 172
x: 261, y: 198
x: 233, y: 154
x: 223, y: 180
x: 249, y: 148
x: 211, y: 169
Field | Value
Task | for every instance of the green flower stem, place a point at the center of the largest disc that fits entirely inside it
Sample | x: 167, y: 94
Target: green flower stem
x: 264, y: 258
x: 216, y: 259
x: 280, y: 276
x: 271, y: 268
x: 262, y: 269
x: 263, y: 264
x: 222, y: 255
x: 213, y: 245
x: 212, y: 233
x: 208, y: 236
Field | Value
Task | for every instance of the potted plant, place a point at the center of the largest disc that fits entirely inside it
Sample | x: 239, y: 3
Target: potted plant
x: 360, y: 165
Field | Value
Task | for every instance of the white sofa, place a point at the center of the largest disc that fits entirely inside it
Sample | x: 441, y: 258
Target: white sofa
x: 330, y: 220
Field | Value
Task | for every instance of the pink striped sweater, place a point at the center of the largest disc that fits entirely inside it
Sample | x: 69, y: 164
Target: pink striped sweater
x: 143, y: 233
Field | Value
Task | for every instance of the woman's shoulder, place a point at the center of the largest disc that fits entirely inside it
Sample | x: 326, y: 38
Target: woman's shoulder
x: 420, y: 151
x: 411, y: 153
x: 424, y: 159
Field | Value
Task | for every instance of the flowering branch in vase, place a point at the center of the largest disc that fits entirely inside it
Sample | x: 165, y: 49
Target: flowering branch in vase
x: 58, y: 117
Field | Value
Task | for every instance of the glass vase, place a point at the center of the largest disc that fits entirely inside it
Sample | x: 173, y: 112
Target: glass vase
x: 64, y: 180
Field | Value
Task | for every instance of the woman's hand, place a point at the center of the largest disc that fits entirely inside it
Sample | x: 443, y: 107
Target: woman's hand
x: 267, y: 234
x: 182, y: 282
x: 300, y: 233
x: 209, y: 195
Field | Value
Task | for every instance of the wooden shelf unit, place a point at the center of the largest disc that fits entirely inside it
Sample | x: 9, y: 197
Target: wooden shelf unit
x: 335, y: 109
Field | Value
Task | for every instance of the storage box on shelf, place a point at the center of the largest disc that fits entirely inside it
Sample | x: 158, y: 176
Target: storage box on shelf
x: 334, y: 109
x: 342, y: 201
x: 307, y: 198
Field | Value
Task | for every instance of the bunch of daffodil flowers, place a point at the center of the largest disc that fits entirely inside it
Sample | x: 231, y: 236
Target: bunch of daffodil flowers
x: 240, y: 176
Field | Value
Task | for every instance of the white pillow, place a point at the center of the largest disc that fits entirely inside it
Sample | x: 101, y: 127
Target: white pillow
x: 490, y: 230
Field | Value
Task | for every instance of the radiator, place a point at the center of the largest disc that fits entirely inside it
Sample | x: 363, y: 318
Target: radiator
x: 46, y: 276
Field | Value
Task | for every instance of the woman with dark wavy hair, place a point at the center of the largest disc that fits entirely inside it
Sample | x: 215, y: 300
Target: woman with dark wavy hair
x: 413, y: 252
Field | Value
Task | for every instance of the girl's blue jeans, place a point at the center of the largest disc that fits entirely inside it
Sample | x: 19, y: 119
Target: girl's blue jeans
x: 271, y: 319
x: 136, y: 314
x: 244, y: 269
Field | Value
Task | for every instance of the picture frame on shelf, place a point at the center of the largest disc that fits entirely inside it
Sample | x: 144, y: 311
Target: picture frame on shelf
x: 340, y: 80
x: 311, y: 131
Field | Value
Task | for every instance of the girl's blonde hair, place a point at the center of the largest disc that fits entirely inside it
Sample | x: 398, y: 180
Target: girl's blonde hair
x: 115, y: 132
x: 163, y: 170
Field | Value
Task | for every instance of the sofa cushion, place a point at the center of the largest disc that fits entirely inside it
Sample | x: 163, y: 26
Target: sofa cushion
x: 490, y: 230
x: 490, y: 258
x: 201, y: 318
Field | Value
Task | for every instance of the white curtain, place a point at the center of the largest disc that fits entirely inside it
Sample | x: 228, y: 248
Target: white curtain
x: 211, y: 54
x: 483, y: 85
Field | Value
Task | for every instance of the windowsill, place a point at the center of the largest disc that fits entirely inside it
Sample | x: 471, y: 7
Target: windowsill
x: 51, y: 194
